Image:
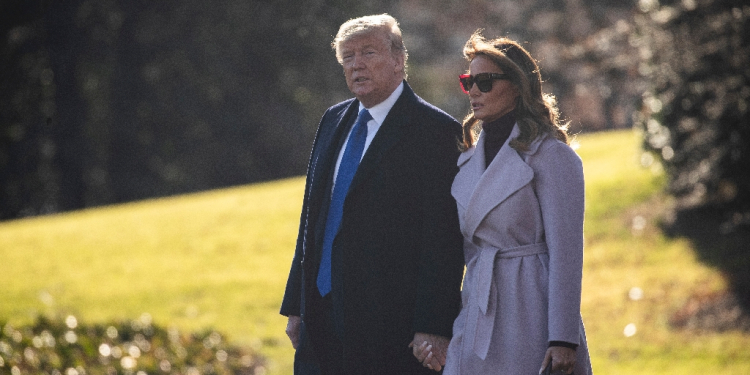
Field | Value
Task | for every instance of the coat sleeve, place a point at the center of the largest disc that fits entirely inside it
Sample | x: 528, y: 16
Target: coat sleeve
x: 291, y: 304
x: 559, y: 186
x: 441, y: 263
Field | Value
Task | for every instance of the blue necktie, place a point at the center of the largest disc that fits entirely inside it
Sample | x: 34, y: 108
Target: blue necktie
x: 348, y: 166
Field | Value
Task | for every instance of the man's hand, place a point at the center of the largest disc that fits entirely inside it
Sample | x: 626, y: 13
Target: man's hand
x: 429, y: 349
x: 293, y: 329
x: 563, y: 359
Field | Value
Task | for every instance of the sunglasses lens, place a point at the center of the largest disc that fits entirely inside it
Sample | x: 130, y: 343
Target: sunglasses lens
x: 484, y: 84
x: 466, y: 83
x: 483, y: 81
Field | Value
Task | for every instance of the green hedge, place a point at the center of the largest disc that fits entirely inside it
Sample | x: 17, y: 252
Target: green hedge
x: 58, y: 346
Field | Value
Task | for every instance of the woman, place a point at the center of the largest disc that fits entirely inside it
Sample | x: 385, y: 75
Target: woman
x: 520, y: 196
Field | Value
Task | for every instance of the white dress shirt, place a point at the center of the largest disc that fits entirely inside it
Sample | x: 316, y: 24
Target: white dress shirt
x: 378, y: 113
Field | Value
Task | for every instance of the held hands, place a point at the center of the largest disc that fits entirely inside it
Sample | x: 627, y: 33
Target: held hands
x: 429, y: 349
x: 563, y: 359
x: 293, y: 329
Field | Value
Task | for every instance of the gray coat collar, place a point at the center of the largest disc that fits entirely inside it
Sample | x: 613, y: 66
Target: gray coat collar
x: 479, y: 190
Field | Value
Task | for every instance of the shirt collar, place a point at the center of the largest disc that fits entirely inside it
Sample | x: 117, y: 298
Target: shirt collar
x: 380, y: 111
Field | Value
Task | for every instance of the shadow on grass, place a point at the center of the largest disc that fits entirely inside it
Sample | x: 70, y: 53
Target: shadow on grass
x: 725, y: 245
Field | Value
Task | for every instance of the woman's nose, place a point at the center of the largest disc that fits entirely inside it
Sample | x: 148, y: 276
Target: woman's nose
x: 474, y: 90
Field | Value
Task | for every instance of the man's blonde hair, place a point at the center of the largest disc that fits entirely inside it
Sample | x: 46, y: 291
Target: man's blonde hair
x: 369, y: 24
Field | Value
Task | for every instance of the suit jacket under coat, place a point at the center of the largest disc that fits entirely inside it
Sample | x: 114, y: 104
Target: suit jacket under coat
x: 397, y: 261
x: 522, y: 222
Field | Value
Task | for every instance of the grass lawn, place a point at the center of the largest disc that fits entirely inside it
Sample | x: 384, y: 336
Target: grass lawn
x: 220, y: 259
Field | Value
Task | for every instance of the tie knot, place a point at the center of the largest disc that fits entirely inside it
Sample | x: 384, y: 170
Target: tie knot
x: 364, y: 116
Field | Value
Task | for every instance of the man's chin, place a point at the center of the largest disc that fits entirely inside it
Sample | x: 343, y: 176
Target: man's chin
x: 363, y: 95
x: 360, y: 90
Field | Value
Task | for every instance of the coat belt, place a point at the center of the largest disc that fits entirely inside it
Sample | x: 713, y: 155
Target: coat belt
x: 483, y: 320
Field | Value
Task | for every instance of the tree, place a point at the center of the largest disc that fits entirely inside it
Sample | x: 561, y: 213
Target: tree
x: 28, y: 178
x: 113, y: 101
x: 696, y: 121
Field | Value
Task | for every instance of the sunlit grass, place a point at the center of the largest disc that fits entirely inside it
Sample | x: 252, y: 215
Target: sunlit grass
x: 220, y: 259
x: 216, y: 259
x: 625, y: 250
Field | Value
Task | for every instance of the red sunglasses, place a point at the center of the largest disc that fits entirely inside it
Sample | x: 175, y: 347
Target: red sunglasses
x: 483, y: 81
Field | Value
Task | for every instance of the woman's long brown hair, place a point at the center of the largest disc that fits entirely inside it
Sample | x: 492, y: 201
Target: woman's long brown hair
x: 536, y: 112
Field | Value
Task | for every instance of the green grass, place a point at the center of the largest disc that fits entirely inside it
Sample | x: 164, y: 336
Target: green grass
x: 216, y: 259
x: 220, y: 259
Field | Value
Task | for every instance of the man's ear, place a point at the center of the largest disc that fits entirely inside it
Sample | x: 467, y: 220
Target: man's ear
x: 399, y: 60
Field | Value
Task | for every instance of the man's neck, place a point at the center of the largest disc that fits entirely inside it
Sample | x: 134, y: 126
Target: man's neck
x: 380, y: 111
x: 369, y: 103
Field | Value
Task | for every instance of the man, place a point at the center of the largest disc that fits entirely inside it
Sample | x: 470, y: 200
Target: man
x: 378, y: 263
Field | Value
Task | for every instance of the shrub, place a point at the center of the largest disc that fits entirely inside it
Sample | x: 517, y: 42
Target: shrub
x: 66, y: 347
x: 695, y: 116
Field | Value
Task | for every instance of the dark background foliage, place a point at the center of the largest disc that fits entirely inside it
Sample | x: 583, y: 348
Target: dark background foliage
x: 697, y: 122
x: 112, y: 101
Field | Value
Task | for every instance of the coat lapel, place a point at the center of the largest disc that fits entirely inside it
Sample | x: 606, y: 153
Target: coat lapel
x: 471, y: 168
x: 330, y: 144
x: 388, y: 135
x: 322, y: 165
x: 505, y: 175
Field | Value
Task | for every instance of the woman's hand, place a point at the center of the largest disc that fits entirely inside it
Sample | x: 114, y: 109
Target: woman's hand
x: 424, y: 354
x: 563, y: 359
x: 430, y: 350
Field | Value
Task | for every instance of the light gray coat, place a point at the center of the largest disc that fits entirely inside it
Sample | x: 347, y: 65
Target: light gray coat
x: 522, y: 222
